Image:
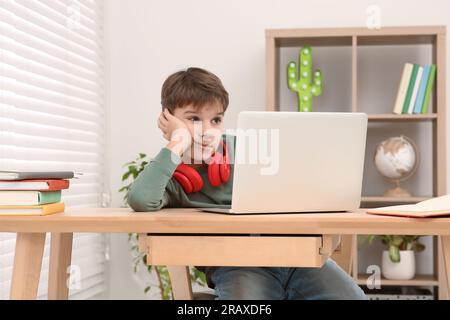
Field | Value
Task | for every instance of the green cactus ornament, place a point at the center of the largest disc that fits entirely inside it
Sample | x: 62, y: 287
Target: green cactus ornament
x: 301, y: 83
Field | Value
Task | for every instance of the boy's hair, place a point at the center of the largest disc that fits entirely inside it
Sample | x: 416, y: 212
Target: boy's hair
x: 193, y: 86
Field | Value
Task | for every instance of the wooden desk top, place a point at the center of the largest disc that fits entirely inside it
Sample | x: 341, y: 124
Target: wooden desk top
x: 112, y: 220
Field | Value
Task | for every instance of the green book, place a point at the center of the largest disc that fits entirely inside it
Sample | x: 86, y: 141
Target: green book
x: 28, y: 198
x: 430, y: 83
x: 412, y: 81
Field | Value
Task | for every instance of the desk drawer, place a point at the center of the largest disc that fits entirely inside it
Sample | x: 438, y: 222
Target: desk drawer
x: 205, y: 250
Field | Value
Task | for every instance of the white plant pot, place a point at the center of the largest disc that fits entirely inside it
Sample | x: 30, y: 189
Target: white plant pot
x: 403, y: 270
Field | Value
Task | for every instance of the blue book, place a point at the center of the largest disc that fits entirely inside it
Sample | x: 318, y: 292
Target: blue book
x: 422, y: 88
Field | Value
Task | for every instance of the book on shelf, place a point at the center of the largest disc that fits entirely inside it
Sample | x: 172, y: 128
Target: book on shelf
x: 421, y: 91
x: 403, y: 88
x: 435, y: 207
x: 36, y: 185
x: 24, y: 198
x: 429, y: 89
x: 410, y: 90
x: 39, y: 210
x: 415, y: 89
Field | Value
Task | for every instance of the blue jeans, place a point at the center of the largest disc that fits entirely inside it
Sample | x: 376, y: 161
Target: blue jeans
x: 329, y: 282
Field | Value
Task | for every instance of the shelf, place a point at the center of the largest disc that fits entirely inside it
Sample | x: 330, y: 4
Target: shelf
x: 392, y: 47
x: 402, y: 117
x: 418, y: 280
x: 393, y: 199
x: 411, y: 39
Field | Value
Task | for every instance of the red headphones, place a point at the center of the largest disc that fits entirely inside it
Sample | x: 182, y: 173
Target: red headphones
x: 218, y: 172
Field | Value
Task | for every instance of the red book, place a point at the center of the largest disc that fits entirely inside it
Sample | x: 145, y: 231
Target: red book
x: 37, y: 185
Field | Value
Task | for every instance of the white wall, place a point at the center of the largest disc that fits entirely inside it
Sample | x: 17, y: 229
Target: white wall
x: 148, y: 40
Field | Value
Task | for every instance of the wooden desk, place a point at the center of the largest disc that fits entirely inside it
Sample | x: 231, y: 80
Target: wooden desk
x: 182, y: 222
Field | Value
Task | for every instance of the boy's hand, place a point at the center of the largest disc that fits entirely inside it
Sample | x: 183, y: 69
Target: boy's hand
x: 175, y: 131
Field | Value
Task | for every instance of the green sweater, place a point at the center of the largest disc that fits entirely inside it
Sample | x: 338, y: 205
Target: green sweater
x: 155, y: 188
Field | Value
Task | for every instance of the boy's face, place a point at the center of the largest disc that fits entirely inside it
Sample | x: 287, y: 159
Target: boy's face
x: 205, y: 125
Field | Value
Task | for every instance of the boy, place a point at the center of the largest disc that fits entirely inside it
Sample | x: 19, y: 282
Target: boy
x: 194, y: 102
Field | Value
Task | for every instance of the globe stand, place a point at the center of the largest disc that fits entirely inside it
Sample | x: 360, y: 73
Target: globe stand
x: 396, y: 192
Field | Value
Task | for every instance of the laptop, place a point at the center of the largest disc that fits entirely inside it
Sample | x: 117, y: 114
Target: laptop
x: 297, y: 162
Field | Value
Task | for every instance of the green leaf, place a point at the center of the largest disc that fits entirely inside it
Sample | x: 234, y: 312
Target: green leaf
x: 394, y: 254
x: 125, y: 176
x: 370, y: 238
x: 419, y: 247
x: 147, y: 289
x: 142, y: 155
x: 133, y: 170
x: 167, y: 293
x: 397, y: 241
x: 201, y: 280
x: 410, y: 239
x: 128, y: 163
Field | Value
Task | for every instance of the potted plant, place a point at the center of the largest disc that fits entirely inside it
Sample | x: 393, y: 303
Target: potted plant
x: 133, y: 169
x: 398, y: 261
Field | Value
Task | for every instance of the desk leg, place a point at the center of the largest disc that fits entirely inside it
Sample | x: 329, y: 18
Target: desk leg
x: 181, y: 282
x: 446, y: 255
x: 27, y: 265
x: 60, y: 260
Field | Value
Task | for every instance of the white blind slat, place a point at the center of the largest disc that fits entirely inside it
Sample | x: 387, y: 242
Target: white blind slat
x: 32, y: 23
x: 55, y: 130
x: 21, y: 35
x: 16, y: 71
x: 50, y: 73
x: 44, y: 58
x: 52, y: 117
x: 52, y: 143
x: 61, y: 24
x: 18, y: 87
x: 10, y: 99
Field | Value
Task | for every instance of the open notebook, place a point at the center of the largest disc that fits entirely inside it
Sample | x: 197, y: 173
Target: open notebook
x: 435, y: 207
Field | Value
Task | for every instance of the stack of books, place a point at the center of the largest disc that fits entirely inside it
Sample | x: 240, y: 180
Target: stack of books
x: 32, y: 193
x: 415, y: 89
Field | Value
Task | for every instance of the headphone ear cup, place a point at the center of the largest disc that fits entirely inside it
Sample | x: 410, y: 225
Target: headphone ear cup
x: 225, y: 170
x: 224, y: 164
x: 189, y: 179
x: 214, y: 172
x: 219, y: 168
x: 184, y: 182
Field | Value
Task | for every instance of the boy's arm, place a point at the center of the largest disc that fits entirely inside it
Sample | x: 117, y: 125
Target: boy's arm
x: 147, y: 192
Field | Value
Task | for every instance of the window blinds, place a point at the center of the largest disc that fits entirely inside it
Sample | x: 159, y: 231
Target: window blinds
x: 52, y: 116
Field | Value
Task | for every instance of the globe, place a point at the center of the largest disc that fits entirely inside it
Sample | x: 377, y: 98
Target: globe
x: 396, y: 159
